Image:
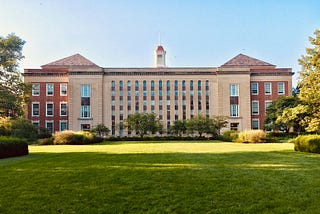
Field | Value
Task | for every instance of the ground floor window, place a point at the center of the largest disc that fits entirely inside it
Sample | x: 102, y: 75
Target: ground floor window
x: 63, y: 125
x: 255, y: 124
x: 49, y: 126
x: 234, y: 126
x: 85, y: 127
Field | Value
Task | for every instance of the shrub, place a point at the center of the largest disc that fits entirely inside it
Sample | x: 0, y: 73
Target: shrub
x: 307, y: 143
x: 46, y: 141
x: 12, y: 147
x: 230, y: 135
x: 68, y: 137
x: 251, y: 136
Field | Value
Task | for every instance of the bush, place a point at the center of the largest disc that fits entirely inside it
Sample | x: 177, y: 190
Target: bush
x: 230, y: 135
x: 12, y: 147
x: 46, y: 141
x: 68, y: 137
x: 307, y: 143
x: 251, y: 136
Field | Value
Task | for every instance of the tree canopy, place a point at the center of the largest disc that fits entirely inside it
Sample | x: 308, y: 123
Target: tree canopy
x: 308, y: 111
x: 143, y: 123
x: 13, y: 92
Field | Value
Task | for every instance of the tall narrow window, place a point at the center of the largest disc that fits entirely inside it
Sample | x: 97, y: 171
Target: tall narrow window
x: 137, y: 96
x: 234, y: 90
x: 35, y: 109
x: 207, y: 98
x: 49, y: 109
x: 255, y: 124
x: 199, y: 97
x: 49, y: 89
x: 63, y: 89
x: 267, y: 104
x: 267, y: 88
x: 281, y: 89
x: 85, y: 101
x: 63, y: 109
x: 255, y: 107
x: 234, y: 110
x: 35, y: 89
x: 254, y: 88
x: 49, y: 126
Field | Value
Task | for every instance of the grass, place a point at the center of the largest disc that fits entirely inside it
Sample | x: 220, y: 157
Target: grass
x: 161, y: 178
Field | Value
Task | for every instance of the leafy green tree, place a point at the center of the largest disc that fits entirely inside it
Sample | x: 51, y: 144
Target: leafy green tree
x: 201, y: 124
x: 308, y: 111
x: 178, y: 127
x: 143, y: 123
x: 13, y: 92
x: 274, y: 119
x: 101, y: 130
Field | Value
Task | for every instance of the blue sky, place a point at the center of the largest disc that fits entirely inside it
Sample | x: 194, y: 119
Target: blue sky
x: 124, y: 33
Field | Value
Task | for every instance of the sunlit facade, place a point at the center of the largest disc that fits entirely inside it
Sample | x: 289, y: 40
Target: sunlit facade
x: 74, y: 93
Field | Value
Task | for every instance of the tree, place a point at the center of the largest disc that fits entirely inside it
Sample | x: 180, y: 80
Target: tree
x: 178, y: 127
x: 308, y: 111
x: 201, y: 124
x: 221, y: 122
x: 13, y: 92
x: 275, y: 120
x: 143, y: 123
x: 101, y: 130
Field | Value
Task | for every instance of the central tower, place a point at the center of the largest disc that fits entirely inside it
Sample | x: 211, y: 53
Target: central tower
x: 160, y: 57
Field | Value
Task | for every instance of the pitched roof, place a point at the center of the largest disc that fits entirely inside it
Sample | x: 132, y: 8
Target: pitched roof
x: 160, y: 48
x: 74, y: 60
x: 244, y: 60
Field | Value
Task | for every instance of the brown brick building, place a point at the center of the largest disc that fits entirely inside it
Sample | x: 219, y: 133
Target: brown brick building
x: 74, y: 93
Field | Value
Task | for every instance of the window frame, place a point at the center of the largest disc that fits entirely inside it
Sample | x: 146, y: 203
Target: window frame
x: 33, y: 90
x: 257, y: 88
x: 283, y: 88
x: 61, y: 122
x: 257, y: 107
x: 48, y: 115
x: 46, y: 125
x: 234, y: 90
x: 234, y: 108
x: 258, y: 123
x: 63, y: 115
x: 265, y: 88
x: 85, y: 90
x: 66, y: 89
x: 48, y: 89
x: 32, y: 109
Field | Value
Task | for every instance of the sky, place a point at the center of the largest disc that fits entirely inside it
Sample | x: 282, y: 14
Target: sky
x: 195, y: 33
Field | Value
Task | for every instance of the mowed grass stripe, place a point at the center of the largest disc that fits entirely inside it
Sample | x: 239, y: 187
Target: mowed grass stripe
x: 127, y: 178
x: 167, y: 147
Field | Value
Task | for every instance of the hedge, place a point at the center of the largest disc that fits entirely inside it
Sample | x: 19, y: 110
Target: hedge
x: 307, y: 143
x: 12, y: 147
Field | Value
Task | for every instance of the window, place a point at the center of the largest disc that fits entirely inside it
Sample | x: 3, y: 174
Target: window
x: 63, y: 89
x: 234, y: 90
x: 255, y: 107
x: 85, y: 111
x: 267, y: 88
x: 267, y: 104
x: 49, y: 109
x: 49, y: 126
x: 281, y: 88
x: 234, y: 110
x: 255, y: 124
x: 63, y: 109
x: 36, y: 123
x: 254, y: 88
x: 85, y: 90
x: 49, y: 90
x: 85, y: 127
x: 63, y: 125
x: 35, y: 89
x: 35, y: 109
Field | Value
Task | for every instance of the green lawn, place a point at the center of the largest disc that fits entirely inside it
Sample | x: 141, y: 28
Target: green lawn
x: 162, y: 177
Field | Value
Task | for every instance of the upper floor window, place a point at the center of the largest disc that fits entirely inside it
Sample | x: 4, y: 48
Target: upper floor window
x: 49, y: 109
x: 281, y: 89
x: 50, y: 88
x: 63, y: 109
x: 255, y: 107
x: 35, y: 89
x: 254, y: 88
x: 63, y: 89
x: 234, y: 110
x: 85, y: 90
x: 267, y: 104
x: 267, y: 88
x: 234, y: 90
x: 35, y: 109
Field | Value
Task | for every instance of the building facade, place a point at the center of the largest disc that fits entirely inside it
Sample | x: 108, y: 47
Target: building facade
x: 74, y: 93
